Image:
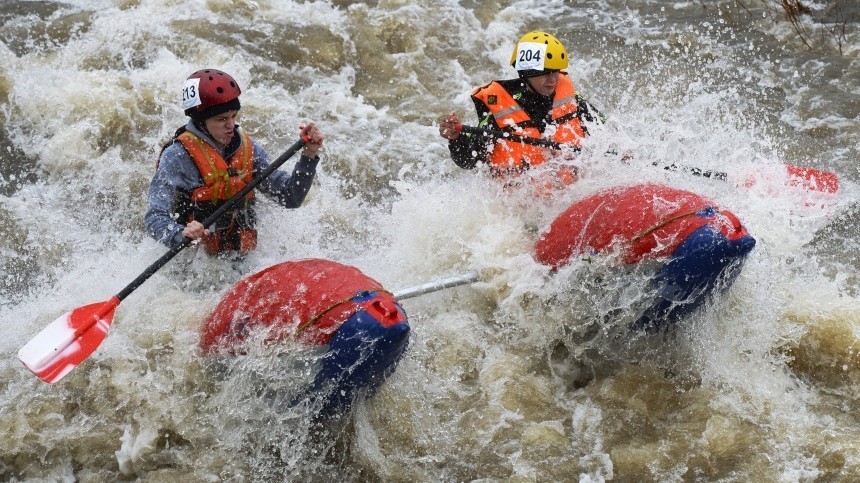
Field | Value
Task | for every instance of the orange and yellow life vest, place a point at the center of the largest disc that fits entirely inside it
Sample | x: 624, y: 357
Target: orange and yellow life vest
x: 221, y: 180
x: 512, y: 156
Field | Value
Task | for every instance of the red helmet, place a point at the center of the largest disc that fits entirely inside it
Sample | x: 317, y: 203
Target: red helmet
x: 209, y: 92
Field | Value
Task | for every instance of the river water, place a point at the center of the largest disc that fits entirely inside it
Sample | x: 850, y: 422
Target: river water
x: 519, y: 377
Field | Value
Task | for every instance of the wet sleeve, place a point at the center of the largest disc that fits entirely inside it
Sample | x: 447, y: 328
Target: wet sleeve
x: 588, y: 113
x: 470, y: 149
x: 175, y: 172
x: 289, y: 189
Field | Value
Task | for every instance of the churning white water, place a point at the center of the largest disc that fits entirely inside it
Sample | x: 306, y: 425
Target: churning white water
x: 524, y: 376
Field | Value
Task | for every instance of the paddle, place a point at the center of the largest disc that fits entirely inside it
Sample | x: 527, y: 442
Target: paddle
x: 72, y: 337
x: 437, y: 285
x: 511, y: 137
x: 795, y: 176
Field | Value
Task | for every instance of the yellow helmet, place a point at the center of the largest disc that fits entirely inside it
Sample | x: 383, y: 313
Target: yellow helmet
x: 530, y: 58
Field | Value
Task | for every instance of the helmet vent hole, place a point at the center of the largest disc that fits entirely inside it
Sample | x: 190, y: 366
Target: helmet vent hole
x: 220, y: 90
x: 548, y: 55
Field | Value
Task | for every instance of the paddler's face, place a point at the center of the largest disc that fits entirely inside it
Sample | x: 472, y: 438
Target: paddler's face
x: 544, y: 84
x: 222, y: 126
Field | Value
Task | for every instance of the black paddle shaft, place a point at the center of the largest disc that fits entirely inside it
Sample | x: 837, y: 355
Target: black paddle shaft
x: 211, y: 219
x: 512, y: 137
x: 705, y: 173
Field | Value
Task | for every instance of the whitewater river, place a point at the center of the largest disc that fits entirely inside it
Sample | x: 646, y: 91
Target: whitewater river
x: 523, y: 376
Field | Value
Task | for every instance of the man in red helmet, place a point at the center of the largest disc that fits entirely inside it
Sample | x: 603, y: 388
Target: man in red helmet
x: 208, y: 161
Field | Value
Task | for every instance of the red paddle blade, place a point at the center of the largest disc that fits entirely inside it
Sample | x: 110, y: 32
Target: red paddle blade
x: 67, y: 341
x: 812, y: 179
x: 797, y: 177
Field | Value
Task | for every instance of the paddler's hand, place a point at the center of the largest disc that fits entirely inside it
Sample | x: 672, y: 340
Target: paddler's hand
x: 313, y: 139
x: 448, y: 127
x: 195, y: 230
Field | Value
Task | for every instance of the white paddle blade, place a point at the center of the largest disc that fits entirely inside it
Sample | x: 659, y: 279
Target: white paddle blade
x: 67, y: 341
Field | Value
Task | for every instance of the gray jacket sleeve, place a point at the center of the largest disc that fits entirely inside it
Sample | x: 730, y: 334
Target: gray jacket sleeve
x: 289, y: 189
x: 176, y: 171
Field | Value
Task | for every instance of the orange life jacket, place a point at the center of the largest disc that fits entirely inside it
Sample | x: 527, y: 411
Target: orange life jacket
x: 512, y: 156
x: 222, y: 180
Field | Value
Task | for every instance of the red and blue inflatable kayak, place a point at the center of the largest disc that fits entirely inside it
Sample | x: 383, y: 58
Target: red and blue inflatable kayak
x: 701, y: 247
x: 321, y: 303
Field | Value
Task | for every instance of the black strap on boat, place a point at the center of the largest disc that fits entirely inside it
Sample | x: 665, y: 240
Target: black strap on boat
x: 303, y: 326
x: 666, y: 222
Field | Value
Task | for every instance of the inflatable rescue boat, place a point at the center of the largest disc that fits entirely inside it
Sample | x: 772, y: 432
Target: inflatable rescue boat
x: 700, y: 247
x: 320, y: 303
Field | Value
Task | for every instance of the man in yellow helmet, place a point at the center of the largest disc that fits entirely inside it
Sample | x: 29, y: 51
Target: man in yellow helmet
x: 541, y: 104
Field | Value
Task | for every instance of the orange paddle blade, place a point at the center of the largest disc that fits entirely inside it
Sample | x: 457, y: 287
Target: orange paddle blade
x: 68, y: 340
